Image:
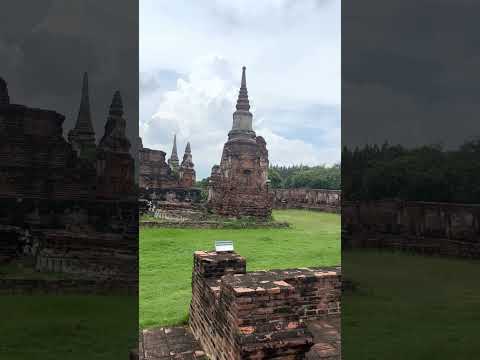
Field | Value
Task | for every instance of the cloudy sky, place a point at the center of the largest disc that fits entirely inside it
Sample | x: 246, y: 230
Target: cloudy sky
x: 191, y: 54
x: 47, y: 45
x: 410, y: 72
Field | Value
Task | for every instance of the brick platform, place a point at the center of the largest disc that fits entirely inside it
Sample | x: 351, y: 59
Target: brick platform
x: 261, y: 314
x: 326, y: 338
x: 179, y: 343
x: 168, y: 344
x: 238, y: 315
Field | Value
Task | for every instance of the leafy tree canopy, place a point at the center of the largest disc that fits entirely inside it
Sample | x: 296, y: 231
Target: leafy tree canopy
x: 427, y: 173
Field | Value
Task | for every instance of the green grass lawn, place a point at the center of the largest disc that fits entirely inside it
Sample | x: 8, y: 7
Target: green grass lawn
x: 166, y: 257
x: 22, y: 269
x: 67, y: 327
x: 410, y: 307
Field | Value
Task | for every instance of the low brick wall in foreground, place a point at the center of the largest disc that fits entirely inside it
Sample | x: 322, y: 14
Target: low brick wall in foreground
x: 261, y: 314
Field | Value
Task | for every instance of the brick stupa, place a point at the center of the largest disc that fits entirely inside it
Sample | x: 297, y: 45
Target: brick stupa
x: 238, y: 186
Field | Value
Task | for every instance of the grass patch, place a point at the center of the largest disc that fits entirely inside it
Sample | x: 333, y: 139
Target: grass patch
x: 68, y: 327
x: 166, y: 257
x: 216, y: 222
x: 24, y: 268
x: 410, y: 307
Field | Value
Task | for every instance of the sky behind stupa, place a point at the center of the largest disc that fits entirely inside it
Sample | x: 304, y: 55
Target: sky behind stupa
x: 191, y: 54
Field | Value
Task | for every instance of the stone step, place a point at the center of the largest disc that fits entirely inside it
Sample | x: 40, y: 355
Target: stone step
x: 178, y: 343
x: 168, y: 343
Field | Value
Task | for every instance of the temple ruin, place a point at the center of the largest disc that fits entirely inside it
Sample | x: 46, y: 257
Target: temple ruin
x: 170, y: 181
x: 58, y: 195
x: 239, y: 185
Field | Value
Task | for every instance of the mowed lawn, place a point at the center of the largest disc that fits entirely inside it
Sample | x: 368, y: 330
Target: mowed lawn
x: 166, y: 257
x: 72, y: 327
x: 410, y: 307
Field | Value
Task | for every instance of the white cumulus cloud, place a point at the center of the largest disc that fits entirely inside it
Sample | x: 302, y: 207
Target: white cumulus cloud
x: 292, y: 54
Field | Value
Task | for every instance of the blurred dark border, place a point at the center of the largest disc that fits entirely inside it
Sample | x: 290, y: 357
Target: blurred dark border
x: 410, y: 175
x: 68, y: 187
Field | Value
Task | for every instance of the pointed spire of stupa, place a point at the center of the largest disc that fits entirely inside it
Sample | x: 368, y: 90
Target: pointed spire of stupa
x: 187, y: 157
x: 84, y: 118
x: 242, y: 101
x: 242, y: 117
x: 82, y: 136
x: 174, y: 148
x: 4, y: 98
x: 114, y: 138
x: 173, y: 161
x: 116, y: 108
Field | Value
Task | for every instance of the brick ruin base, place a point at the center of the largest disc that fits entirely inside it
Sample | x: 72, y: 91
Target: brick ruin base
x: 176, y: 211
x: 87, y: 254
x: 176, y: 195
x: 312, y: 199
x: 258, y: 315
x: 180, y: 215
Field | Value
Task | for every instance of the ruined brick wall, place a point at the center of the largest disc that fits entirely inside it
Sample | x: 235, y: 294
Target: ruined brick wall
x: 238, y: 187
x: 35, y: 159
x: 44, y: 183
x: 91, y: 254
x: 313, y: 199
x: 70, y: 213
x: 172, y: 195
x: 258, y: 315
x: 156, y: 174
x: 187, y: 177
x: 441, y: 228
x: 115, y: 175
x: 101, y: 216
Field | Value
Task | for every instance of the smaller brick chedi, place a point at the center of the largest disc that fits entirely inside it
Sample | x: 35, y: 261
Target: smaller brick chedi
x: 115, y: 165
x: 157, y: 174
x: 238, y: 186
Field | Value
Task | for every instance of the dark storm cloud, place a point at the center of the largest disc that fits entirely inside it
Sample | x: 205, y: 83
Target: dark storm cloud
x: 410, y: 72
x: 45, y: 47
x: 388, y: 69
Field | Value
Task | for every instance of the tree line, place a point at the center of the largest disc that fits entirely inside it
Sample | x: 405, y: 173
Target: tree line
x: 427, y: 173
x: 298, y: 176
x: 302, y: 176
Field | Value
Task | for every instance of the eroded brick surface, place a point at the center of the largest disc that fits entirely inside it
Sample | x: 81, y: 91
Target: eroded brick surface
x: 420, y: 227
x: 168, y: 344
x: 327, y: 339
x: 261, y: 314
x: 314, y: 199
x: 179, y: 343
